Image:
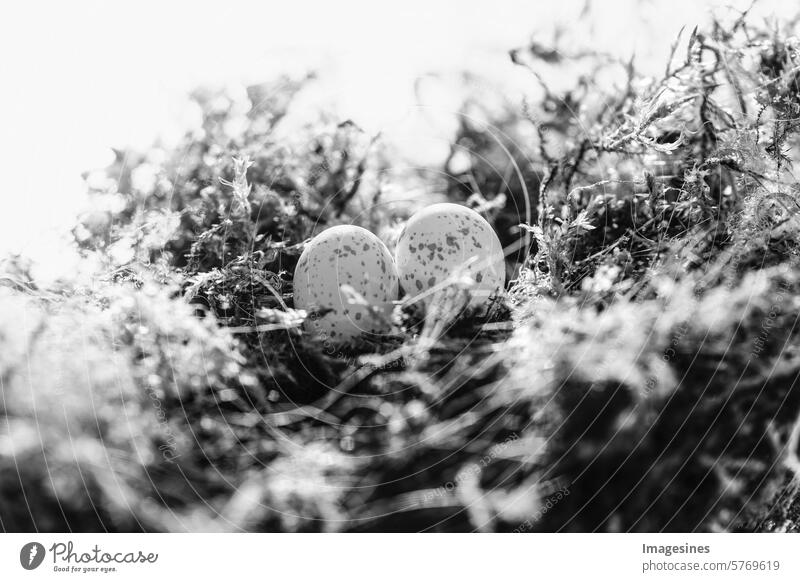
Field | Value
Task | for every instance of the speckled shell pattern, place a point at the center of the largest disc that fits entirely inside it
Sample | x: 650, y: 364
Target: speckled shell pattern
x: 352, y: 256
x: 443, y: 240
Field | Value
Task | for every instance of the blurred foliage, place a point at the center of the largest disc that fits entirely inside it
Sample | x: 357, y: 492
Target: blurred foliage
x: 641, y: 373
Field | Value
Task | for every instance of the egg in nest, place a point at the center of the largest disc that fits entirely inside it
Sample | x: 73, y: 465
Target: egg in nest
x: 444, y: 241
x: 346, y: 279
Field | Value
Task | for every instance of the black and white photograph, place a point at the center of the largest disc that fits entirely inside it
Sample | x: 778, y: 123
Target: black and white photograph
x: 374, y: 268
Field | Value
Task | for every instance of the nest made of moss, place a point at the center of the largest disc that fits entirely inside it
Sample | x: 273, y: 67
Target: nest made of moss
x: 639, y: 375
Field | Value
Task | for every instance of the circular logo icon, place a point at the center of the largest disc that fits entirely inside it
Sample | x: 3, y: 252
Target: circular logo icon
x: 31, y: 555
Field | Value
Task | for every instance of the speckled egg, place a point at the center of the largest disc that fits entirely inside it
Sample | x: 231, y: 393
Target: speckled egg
x: 348, y: 272
x: 442, y: 241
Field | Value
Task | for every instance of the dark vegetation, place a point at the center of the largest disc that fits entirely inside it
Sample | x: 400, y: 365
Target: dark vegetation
x: 640, y: 375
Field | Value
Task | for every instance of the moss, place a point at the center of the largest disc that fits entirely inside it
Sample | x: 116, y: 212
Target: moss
x: 640, y: 375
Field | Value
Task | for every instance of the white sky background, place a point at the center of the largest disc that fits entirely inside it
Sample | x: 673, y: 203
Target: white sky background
x: 78, y: 77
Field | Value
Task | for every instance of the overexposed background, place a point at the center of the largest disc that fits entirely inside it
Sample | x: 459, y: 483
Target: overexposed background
x: 80, y: 77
